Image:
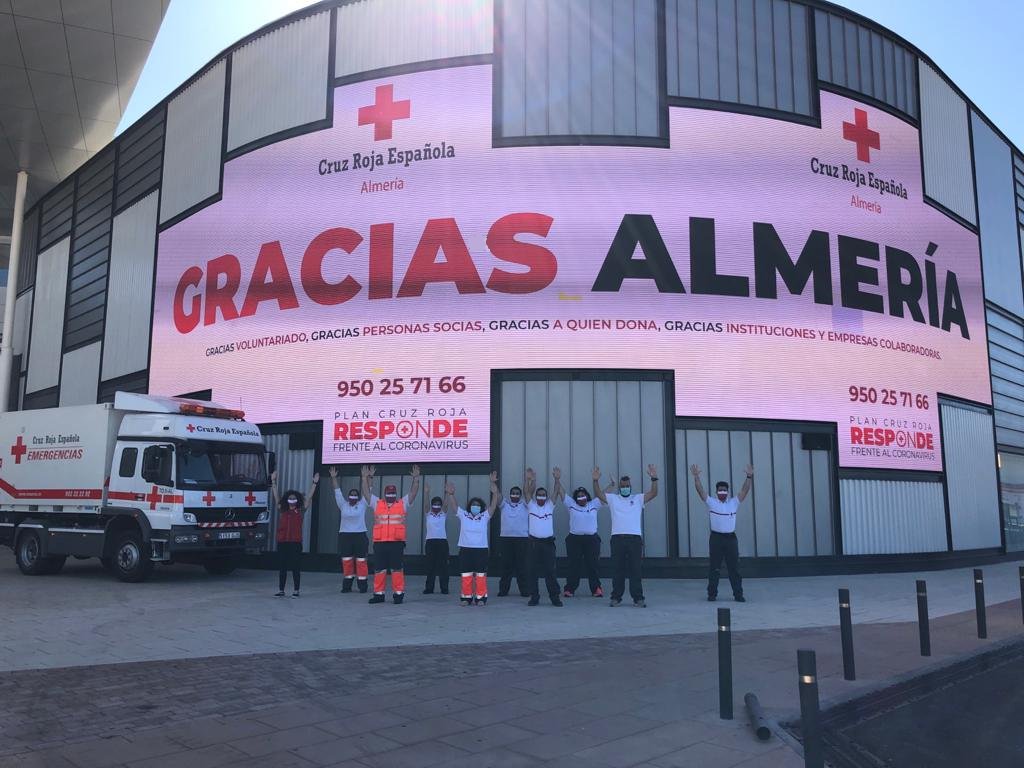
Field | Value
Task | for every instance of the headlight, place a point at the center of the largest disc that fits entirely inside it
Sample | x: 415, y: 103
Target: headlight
x: 190, y: 518
x: 264, y: 516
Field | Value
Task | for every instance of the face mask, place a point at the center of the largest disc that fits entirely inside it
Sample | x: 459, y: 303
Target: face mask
x: 476, y: 509
x: 723, y: 495
x: 581, y: 500
x: 514, y: 498
x: 292, y: 502
x: 390, y: 498
x: 435, y: 510
x: 625, y: 490
x: 353, y: 500
x: 542, y: 500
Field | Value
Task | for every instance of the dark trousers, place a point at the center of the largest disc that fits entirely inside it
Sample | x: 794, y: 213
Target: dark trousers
x: 514, y: 558
x: 627, y: 552
x: 542, y: 563
x: 583, y: 550
x: 724, y: 546
x: 437, y: 564
x: 288, y: 554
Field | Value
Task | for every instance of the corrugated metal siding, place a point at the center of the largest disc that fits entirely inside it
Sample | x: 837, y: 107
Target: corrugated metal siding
x: 22, y: 323
x: 1006, y: 360
x: 192, y: 147
x: 579, y: 68
x: 279, y: 80
x: 29, y: 251
x: 971, y: 483
x: 132, y: 250
x: 945, y: 146
x: 294, y: 472
x: 374, y: 34
x: 135, y: 382
x: 577, y: 425
x: 882, y: 517
x: 80, y: 375
x: 752, y: 52
x: 858, y: 58
x: 789, y: 509
x: 90, y: 253
x: 56, y: 214
x: 997, y: 217
x: 1018, y: 189
x: 48, y: 318
x: 139, y: 156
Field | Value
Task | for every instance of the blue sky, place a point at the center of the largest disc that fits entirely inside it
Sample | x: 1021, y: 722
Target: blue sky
x: 979, y: 44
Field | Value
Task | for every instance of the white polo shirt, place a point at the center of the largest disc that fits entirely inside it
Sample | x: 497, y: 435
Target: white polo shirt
x: 723, y: 513
x: 514, y: 519
x: 542, y: 519
x: 627, y: 513
x: 582, y: 520
x: 353, y: 516
x: 436, y: 524
x: 473, y: 530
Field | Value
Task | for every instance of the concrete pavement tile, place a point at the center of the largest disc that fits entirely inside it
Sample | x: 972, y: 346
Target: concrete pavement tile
x: 555, y: 745
x: 487, y: 737
x: 49, y: 758
x: 296, y: 714
x: 425, y: 729
x: 616, y: 727
x: 493, y: 758
x: 783, y: 757
x: 272, y: 760
x: 196, y: 734
x: 692, y: 707
x: 555, y: 721
x: 605, y: 706
x: 280, y: 741
x: 368, y: 721
x: 213, y: 756
x: 416, y: 756
x: 108, y: 752
x: 348, y: 748
x: 701, y: 753
x: 647, y: 745
x: 431, y: 708
x: 495, y: 713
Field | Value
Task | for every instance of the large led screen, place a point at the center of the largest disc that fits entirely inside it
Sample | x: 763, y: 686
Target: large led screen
x: 372, y: 274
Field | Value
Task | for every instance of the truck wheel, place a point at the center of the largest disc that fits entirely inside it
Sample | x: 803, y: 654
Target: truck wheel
x: 222, y: 566
x: 131, y: 558
x: 54, y: 564
x: 29, y: 554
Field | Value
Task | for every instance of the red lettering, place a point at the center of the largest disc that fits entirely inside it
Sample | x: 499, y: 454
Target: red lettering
x: 340, y: 431
x: 382, y: 261
x: 222, y: 297
x: 856, y: 436
x: 460, y: 428
x: 386, y: 428
x: 270, y: 264
x: 186, y: 321
x: 312, y: 270
x: 458, y: 267
x: 502, y: 242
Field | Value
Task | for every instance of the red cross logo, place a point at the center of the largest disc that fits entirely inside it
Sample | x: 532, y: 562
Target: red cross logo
x: 153, y: 498
x: 859, y: 133
x: 18, y: 450
x: 250, y: 498
x: 209, y: 498
x: 383, y: 112
x: 191, y: 428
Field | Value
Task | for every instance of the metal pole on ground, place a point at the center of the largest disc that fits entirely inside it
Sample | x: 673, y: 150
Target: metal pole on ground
x: 979, y: 602
x: 846, y: 632
x: 810, y: 716
x: 756, y: 715
x: 922, y: 618
x: 1021, y: 571
x: 724, y: 664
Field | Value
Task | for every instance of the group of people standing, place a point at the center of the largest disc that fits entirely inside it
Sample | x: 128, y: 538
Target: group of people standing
x: 526, y: 543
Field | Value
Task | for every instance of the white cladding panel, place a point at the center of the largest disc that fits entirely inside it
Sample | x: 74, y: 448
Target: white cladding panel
x: 80, y: 376
x: 373, y: 34
x: 892, y: 517
x: 130, y: 292
x: 192, y: 144
x: 48, y: 318
x: 971, y: 482
x: 279, y: 80
x: 946, y: 146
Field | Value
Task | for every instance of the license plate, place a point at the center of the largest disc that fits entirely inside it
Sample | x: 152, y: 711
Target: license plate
x: 229, y: 535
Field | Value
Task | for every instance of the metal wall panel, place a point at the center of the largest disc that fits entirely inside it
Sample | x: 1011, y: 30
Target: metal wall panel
x: 22, y: 324
x: 80, y: 375
x: 789, y: 509
x: 279, y: 80
x: 192, y: 146
x: 945, y: 145
x: 140, y: 153
x: 579, y: 68
x: 132, y: 250
x: 56, y: 213
x: 373, y: 34
x: 857, y: 58
x: 1018, y: 193
x: 29, y: 251
x: 1006, y: 362
x: 971, y: 484
x: 997, y: 217
x: 48, y: 318
x: 577, y: 425
x: 294, y: 472
x: 882, y: 517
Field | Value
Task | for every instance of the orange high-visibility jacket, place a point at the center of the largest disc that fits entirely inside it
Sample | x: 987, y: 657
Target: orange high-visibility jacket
x: 389, y: 521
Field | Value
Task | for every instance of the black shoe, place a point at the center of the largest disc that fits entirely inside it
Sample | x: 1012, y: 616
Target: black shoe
x: 534, y: 601
x: 398, y: 597
x: 363, y: 586
x: 641, y: 603
x: 557, y: 601
x: 503, y: 593
x: 428, y: 591
x: 444, y: 591
x: 279, y: 594
x: 712, y: 598
x: 481, y: 600
x: 376, y: 599
x: 740, y: 599
x: 295, y: 593
x: 346, y: 585
x: 615, y: 602
x: 524, y: 594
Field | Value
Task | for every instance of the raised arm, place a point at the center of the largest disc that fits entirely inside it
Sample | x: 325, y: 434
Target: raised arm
x: 273, y: 488
x: 415, y: 487
x: 333, y: 470
x: 746, y: 483
x: 558, y: 491
x: 449, y: 498
x: 652, y: 472
x: 598, y: 490
x: 312, y: 490
x: 366, y: 473
x: 695, y: 471
x: 529, y: 484
x: 495, y: 495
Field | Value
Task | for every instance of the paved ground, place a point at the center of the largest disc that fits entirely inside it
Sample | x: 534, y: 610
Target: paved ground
x: 459, y: 688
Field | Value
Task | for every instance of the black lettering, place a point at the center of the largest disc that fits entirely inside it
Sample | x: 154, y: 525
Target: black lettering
x: 704, y: 277
x: 771, y: 258
x: 638, y: 229
x: 853, y: 274
x: 898, y: 263
x: 953, y: 306
x: 931, y: 284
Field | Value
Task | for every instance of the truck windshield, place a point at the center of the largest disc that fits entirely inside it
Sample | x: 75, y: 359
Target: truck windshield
x: 203, y: 464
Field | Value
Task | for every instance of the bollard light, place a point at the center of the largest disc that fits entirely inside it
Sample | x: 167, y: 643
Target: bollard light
x: 810, y: 715
x: 922, y: 618
x: 979, y: 603
x: 846, y: 633
x: 724, y: 664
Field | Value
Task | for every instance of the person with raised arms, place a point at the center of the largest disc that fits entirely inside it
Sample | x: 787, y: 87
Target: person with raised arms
x: 582, y: 545
x: 389, y: 524
x: 436, y: 547
x: 353, y: 543
x: 473, y: 541
x: 542, y: 541
x: 722, y: 541
x: 627, y: 543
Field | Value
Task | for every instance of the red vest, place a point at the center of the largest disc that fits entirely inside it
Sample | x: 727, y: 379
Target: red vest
x: 289, y: 526
x: 389, y: 521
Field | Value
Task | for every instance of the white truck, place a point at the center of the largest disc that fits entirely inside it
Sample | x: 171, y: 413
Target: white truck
x: 143, y: 480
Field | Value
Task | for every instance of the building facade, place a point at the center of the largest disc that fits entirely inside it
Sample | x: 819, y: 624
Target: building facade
x: 576, y: 233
